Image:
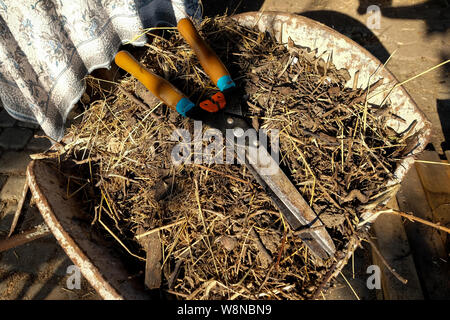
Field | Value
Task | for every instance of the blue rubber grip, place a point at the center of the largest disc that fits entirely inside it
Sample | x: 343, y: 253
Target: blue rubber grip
x: 225, y: 83
x: 184, y: 105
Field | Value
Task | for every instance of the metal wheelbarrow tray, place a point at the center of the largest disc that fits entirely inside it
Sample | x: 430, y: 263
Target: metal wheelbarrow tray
x: 106, y: 273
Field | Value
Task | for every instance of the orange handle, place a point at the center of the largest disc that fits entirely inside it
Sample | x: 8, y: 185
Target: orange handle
x: 210, y: 62
x: 160, y: 87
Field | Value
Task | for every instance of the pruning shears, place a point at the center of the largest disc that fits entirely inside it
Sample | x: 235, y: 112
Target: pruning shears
x: 224, y: 112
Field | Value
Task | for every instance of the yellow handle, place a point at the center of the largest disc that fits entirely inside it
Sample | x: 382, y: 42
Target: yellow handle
x: 160, y: 87
x: 210, y: 62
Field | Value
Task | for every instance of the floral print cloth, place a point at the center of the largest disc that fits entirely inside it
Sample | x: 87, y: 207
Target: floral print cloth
x: 47, y: 47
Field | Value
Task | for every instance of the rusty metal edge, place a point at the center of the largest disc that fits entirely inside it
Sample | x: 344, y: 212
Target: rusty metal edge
x: 89, y: 271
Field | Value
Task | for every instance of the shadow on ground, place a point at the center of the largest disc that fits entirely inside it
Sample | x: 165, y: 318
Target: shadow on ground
x: 213, y: 8
x: 36, y: 270
x: 351, y: 28
x: 435, y: 13
x: 443, y: 105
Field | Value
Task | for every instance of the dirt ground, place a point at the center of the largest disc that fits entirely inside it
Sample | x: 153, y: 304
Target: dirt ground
x: 416, y: 34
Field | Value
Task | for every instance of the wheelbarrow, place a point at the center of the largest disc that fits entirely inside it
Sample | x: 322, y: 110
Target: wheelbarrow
x: 106, y: 272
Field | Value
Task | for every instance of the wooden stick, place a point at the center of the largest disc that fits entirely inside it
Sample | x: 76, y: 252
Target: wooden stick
x: 19, y: 208
x: 374, y: 247
x: 27, y: 236
x: 414, y: 218
x: 432, y: 162
x: 160, y: 228
x: 120, y: 242
x: 341, y: 261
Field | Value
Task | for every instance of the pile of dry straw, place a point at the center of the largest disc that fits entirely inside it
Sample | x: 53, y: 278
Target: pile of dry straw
x: 220, y: 235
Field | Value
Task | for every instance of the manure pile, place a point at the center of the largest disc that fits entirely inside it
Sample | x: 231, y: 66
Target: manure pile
x: 219, y: 234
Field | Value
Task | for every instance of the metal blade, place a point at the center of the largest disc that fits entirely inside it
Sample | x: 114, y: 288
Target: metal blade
x: 291, y: 204
x: 277, y: 185
x: 286, y: 196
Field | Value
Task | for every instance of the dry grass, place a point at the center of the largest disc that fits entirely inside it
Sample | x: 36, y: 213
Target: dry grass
x: 221, y: 235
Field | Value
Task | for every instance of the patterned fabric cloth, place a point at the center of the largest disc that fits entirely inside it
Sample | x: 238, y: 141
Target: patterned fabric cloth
x: 47, y: 47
